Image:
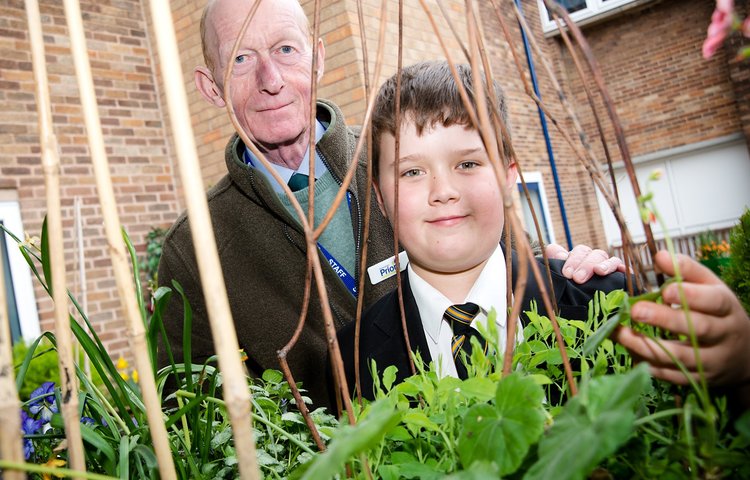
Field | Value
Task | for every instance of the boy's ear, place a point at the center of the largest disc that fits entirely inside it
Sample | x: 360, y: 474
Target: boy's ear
x: 379, y: 198
x: 204, y: 81
x: 511, y: 174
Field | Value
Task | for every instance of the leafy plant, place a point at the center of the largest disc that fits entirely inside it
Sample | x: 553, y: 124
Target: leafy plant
x: 116, y: 432
x: 737, y: 274
x: 150, y: 264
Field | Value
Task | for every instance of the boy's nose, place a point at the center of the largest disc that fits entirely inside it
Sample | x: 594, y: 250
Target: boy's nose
x: 442, y: 189
x: 269, y: 77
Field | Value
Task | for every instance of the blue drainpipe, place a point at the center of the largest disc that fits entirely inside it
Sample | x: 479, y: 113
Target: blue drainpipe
x: 547, y: 141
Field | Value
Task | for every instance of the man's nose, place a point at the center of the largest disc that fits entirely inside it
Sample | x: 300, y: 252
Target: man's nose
x: 443, y: 188
x: 269, y: 76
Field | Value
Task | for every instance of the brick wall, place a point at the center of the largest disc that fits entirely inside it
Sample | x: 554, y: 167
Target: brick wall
x: 666, y: 94
x: 133, y: 133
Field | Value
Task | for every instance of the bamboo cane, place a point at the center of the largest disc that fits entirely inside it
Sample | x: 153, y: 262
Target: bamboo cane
x: 51, y: 168
x: 113, y: 230
x: 10, y: 406
x: 236, y: 392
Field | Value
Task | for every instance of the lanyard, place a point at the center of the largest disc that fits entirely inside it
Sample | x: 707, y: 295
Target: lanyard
x: 339, y: 269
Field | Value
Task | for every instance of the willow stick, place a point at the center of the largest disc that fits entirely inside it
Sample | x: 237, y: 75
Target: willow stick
x: 236, y: 391
x: 51, y: 168
x: 116, y: 245
x: 10, y: 434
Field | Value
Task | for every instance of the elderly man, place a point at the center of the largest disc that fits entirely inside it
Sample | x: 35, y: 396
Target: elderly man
x: 261, y: 244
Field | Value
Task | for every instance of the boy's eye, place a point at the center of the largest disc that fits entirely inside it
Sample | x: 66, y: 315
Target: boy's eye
x: 468, y: 165
x: 412, y: 172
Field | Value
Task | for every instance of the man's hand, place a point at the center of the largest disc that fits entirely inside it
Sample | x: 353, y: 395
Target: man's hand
x: 721, y: 325
x: 582, y: 263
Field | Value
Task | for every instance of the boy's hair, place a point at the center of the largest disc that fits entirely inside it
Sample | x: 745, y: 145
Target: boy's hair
x: 429, y: 97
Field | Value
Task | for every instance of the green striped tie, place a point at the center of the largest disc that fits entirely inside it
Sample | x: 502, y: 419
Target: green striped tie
x: 459, y: 317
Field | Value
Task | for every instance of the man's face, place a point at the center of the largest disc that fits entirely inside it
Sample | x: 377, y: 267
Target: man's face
x: 450, y: 209
x: 270, y: 80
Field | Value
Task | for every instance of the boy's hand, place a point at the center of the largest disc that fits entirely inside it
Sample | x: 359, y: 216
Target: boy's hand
x: 722, y: 328
x: 582, y: 262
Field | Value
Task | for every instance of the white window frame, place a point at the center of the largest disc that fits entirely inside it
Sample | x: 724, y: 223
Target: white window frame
x: 28, y: 316
x: 537, y: 179
x: 595, y: 10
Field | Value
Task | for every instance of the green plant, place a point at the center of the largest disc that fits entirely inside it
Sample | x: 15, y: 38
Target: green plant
x: 116, y: 433
x: 737, y: 274
x: 150, y: 264
x: 710, y: 248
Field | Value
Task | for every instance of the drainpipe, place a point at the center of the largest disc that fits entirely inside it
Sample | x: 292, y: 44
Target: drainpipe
x: 545, y: 131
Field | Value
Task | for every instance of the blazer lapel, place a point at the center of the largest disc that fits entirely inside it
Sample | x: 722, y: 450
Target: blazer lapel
x: 393, y: 350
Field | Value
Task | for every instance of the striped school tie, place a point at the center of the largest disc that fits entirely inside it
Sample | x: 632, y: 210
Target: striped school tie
x: 459, y: 317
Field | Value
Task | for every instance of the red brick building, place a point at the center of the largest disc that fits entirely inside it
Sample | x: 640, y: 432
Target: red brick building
x: 673, y: 105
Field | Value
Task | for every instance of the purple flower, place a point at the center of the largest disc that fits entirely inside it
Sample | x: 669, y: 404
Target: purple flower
x: 29, y: 425
x: 88, y: 421
x: 43, y: 401
x: 28, y: 448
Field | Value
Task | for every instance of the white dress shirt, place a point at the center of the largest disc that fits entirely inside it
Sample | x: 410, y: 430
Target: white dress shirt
x: 488, y: 292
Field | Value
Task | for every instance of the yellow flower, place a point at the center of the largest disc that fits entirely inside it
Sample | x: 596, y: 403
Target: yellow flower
x: 122, y: 364
x: 135, y: 376
x: 125, y: 376
x: 53, y: 462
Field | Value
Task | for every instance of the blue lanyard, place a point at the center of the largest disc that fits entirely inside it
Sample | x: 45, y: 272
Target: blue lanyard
x: 347, y: 278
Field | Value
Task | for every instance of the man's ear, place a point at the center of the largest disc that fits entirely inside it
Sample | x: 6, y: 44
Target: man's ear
x: 204, y: 81
x: 379, y: 198
x: 321, y: 58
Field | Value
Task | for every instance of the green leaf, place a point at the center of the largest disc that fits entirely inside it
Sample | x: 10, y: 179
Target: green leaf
x: 351, y: 440
x: 46, y: 262
x: 505, y: 432
x: 416, y: 420
x: 591, y: 426
x: 273, y: 376
x: 603, y: 332
x: 478, y: 471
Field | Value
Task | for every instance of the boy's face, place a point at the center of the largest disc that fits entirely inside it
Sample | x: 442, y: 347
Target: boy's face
x: 450, y: 215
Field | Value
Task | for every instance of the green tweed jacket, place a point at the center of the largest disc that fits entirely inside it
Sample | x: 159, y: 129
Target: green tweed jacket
x: 263, y: 257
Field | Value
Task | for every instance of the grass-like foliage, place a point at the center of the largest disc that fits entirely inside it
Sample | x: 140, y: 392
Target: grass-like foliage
x: 114, y: 424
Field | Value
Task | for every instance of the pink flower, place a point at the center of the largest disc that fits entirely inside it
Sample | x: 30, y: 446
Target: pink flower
x: 721, y: 25
x: 746, y: 27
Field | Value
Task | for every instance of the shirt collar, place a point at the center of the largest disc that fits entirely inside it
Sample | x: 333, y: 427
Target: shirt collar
x: 489, y: 291
x: 286, y: 173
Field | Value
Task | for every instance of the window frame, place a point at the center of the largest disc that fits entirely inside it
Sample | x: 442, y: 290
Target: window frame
x: 23, y: 288
x: 535, y: 178
x: 595, y: 10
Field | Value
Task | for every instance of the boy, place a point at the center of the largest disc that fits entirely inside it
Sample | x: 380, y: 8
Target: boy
x: 450, y: 222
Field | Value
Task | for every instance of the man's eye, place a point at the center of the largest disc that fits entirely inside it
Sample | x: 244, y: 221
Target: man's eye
x: 286, y: 49
x: 240, y: 59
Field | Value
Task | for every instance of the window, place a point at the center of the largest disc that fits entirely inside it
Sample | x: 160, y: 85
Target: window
x: 585, y: 11
x: 539, y: 204
x: 19, y: 290
x: 703, y: 187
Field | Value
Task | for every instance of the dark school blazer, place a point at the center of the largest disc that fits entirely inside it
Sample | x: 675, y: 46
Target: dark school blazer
x: 381, y: 337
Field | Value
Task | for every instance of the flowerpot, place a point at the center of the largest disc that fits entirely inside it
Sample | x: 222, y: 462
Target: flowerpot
x: 717, y: 264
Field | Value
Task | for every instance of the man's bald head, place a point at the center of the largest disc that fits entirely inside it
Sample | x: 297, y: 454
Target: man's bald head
x: 208, y: 34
